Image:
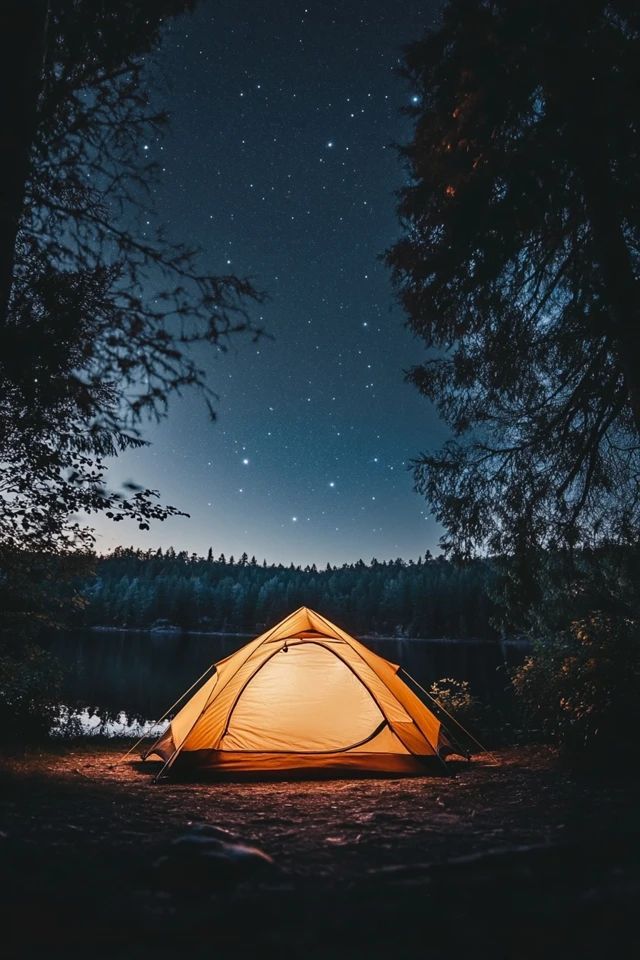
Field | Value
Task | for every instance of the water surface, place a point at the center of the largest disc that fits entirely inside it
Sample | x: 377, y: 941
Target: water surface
x: 124, y: 678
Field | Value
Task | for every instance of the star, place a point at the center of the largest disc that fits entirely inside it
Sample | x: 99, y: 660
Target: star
x: 308, y: 228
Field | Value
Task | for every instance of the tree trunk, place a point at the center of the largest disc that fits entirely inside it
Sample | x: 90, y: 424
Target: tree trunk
x: 23, y: 30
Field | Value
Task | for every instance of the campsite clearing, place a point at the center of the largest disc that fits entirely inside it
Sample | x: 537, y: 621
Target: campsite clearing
x: 506, y: 853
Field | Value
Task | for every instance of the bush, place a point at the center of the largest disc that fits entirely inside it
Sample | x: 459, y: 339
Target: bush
x: 30, y: 685
x: 582, y: 688
x: 456, y: 698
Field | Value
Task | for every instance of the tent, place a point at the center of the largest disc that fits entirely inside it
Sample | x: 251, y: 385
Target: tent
x: 308, y: 698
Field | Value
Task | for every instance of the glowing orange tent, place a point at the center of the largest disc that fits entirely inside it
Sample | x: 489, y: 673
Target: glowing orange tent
x: 304, y: 696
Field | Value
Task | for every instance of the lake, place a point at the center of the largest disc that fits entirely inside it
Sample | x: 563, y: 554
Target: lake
x: 140, y: 674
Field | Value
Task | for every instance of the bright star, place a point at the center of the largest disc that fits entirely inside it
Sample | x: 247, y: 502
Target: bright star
x: 246, y: 461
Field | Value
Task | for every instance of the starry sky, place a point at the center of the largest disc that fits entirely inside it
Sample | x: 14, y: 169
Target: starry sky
x: 279, y: 164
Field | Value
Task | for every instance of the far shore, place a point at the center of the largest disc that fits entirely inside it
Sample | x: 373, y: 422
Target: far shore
x: 174, y: 631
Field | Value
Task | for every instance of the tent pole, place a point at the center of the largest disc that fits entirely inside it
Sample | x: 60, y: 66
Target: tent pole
x: 168, y: 763
x: 166, y: 713
x: 446, y: 712
x: 433, y: 746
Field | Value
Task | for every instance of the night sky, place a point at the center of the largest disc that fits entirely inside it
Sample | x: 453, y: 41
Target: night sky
x: 279, y: 164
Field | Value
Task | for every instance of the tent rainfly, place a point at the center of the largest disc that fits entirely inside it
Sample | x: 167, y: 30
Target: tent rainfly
x: 304, y: 698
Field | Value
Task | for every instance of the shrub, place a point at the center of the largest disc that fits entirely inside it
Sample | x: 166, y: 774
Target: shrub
x: 30, y: 684
x: 581, y: 687
x: 456, y: 698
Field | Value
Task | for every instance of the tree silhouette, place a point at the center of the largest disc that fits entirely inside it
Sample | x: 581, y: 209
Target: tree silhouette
x: 436, y: 598
x: 518, y: 268
x: 99, y: 311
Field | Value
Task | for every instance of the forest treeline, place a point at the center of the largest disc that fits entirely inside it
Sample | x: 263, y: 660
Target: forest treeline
x: 429, y: 597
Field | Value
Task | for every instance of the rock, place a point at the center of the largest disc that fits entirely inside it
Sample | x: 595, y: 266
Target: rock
x: 200, y: 860
x: 212, y: 830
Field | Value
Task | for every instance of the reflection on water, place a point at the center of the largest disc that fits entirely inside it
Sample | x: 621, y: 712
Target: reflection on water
x: 74, y: 721
x: 123, y: 680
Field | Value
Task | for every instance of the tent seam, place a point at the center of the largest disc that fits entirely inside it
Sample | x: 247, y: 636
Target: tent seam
x: 178, y: 750
x: 413, y: 720
x: 272, y: 655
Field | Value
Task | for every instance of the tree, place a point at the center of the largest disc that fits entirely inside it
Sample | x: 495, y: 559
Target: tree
x: 582, y: 681
x: 87, y: 352
x: 518, y: 268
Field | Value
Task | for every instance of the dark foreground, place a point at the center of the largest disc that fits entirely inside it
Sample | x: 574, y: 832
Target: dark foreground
x: 511, y: 858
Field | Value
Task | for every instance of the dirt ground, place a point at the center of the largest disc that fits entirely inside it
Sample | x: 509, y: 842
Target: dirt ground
x: 511, y: 857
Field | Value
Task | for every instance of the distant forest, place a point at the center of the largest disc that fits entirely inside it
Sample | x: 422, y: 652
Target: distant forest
x: 430, y: 597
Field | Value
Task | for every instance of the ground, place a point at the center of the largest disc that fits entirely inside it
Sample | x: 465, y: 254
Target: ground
x: 509, y: 857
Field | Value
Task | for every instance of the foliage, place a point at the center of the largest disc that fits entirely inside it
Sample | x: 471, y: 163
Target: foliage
x: 582, y: 684
x: 475, y: 724
x: 456, y: 703
x: 456, y: 698
x: 428, y: 598
x: 30, y: 685
x: 99, y: 311
x: 518, y: 269
x: 38, y: 593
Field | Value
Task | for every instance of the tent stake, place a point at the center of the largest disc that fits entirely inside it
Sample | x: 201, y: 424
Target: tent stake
x: 165, y: 714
